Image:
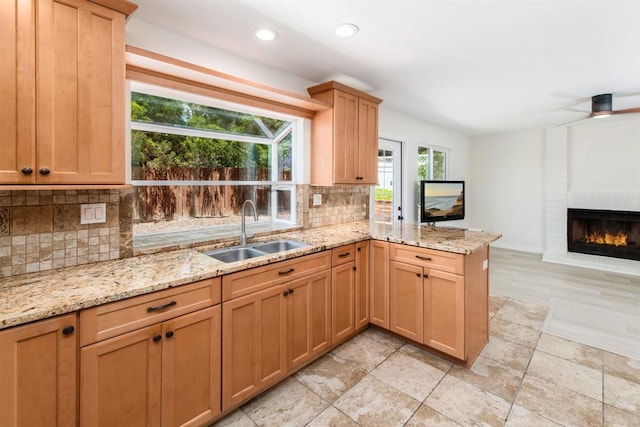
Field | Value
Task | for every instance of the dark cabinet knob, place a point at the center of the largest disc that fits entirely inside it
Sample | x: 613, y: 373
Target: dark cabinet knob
x: 285, y: 293
x: 157, y: 338
x: 355, y: 268
x: 291, y: 291
x: 44, y: 171
x: 26, y: 170
x: 68, y: 330
x: 169, y: 334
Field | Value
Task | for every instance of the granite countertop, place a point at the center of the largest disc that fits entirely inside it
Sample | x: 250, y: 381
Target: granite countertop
x: 37, y: 296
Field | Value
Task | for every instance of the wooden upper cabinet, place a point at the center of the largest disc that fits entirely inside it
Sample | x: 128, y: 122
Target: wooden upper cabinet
x: 344, y: 138
x: 64, y: 66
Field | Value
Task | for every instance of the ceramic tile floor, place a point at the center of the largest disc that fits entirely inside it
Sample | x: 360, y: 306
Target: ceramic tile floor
x: 522, y: 378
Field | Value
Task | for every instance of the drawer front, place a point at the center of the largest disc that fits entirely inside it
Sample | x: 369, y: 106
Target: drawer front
x: 109, y: 320
x: 343, y: 254
x: 438, y: 260
x: 255, y: 279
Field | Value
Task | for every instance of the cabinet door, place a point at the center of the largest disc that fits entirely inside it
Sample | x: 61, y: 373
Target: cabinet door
x: 17, y: 90
x: 342, y: 302
x: 80, y: 93
x: 191, y: 368
x: 38, y: 375
x: 308, y: 318
x: 379, y: 284
x: 444, y: 312
x: 120, y: 380
x: 367, y: 142
x: 406, y: 300
x: 362, y: 285
x: 345, y: 139
x: 254, y: 344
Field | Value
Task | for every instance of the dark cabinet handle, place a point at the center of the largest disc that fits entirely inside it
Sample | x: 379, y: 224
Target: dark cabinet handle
x: 282, y: 273
x: 359, y: 177
x: 161, y: 307
x: 169, y: 334
x: 291, y: 291
x: 359, y: 249
x: 285, y: 293
x: 355, y: 268
x: 157, y: 338
x: 68, y: 330
x: 424, y: 258
x: 44, y: 171
x: 344, y: 254
x: 418, y: 274
x: 26, y: 170
x: 426, y: 276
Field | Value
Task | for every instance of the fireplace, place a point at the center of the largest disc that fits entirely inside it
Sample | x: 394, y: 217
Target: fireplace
x: 607, y: 233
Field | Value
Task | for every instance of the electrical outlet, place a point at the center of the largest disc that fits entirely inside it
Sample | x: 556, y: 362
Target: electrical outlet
x: 93, y: 213
x: 317, y: 199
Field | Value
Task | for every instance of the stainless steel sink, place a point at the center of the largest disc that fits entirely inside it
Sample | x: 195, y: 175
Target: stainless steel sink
x: 234, y: 254
x: 278, y: 246
x: 238, y: 253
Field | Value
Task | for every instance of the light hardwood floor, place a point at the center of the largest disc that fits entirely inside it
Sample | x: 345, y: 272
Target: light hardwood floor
x: 593, y: 307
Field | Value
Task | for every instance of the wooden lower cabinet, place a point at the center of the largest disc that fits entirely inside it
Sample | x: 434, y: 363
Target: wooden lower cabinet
x: 343, y: 280
x: 38, y: 375
x: 379, y: 283
x: 362, y: 285
x: 165, y: 374
x: 406, y: 314
x: 254, y: 343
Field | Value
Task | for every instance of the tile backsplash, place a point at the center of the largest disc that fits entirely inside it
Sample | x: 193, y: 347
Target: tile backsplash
x: 40, y: 229
x: 340, y: 204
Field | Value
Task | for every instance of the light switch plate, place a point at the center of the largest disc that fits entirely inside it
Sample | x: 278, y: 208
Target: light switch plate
x: 317, y: 199
x: 93, y: 213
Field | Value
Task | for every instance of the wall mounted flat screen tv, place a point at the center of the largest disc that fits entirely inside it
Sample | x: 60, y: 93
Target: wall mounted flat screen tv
x: 441, y: 200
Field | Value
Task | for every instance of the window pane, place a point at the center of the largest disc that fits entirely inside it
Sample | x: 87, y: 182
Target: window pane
x: 439, y: 165
x: 423, y: 163
x: 172, y: 112
x: 283, y: 197
x: 285, y: 160
x: 156, y: 156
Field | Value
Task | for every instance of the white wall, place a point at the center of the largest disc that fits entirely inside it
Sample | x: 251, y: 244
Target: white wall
x: 507, y: 194
x: 413, y: 133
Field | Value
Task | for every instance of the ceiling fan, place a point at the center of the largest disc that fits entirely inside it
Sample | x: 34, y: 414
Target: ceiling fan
x: 602, y: 106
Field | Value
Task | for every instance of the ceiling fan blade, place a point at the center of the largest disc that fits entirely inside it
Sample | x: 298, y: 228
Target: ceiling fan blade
x: 627, y: 111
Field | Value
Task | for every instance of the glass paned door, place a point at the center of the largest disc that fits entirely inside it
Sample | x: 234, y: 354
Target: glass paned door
x: 387, y: 200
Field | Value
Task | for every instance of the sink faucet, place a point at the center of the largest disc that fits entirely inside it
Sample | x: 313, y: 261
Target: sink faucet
x: 243, y: 234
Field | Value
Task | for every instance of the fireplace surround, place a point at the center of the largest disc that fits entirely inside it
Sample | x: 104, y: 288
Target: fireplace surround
x: 604, y: 232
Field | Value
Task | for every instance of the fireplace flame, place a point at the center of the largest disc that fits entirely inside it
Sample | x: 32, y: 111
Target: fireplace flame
x: 619, y: 239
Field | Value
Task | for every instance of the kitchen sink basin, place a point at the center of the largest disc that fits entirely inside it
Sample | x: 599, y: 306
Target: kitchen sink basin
x: 239, y: 253
x: 278, y: 246
x: 234, y: 254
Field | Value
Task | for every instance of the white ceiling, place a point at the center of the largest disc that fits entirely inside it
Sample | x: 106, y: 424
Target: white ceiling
x: 475, y: 66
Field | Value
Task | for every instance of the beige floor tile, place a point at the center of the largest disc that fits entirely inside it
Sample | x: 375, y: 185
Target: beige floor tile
x: 491, y: 376
x: 557, y: 403
x: 622, y: 394
x: 330, y: 376
x: 622, y: 367
x: 409, y: 375
x: 579, y: 378
x: 570, y: 350
x: 363, y: 351
x: 426, y: 357
x: 289, y: 403
x: 467, y: 404
x: 371, y: 402
x: 522, y: 417
x: 511, y: 355
x: 495, y: 302
x: 235, y: 419
x: 331, y: 417
x: 426, y: 416
x: 523, y: 313
x: 383, y: 337
x: 513, y: 332
x: 614, y: 417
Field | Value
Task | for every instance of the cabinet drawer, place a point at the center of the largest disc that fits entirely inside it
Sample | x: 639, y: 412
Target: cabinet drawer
x: 110, y: 320
x: 255, y: 279
x: 437, y: 260
x: 343, y: 254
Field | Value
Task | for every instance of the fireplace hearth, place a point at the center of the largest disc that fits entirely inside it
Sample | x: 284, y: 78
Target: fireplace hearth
x: 602, y: 232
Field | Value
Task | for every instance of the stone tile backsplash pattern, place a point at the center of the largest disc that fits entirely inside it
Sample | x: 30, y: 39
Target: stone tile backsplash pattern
x: 40, y: 229
x: 340, y: 204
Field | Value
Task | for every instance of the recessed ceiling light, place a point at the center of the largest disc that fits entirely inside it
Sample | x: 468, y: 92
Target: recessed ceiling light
x: 266, y: 34
x: 347, y: 30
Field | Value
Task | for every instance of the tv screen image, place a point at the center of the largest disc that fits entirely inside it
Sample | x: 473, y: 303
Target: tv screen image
x: 441, y: 200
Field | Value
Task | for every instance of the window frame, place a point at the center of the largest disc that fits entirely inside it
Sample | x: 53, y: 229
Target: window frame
x: 431, y: 149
